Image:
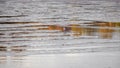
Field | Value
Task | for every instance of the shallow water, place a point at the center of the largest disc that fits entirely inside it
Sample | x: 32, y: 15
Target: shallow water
x: 84, y: 60
x: 28, y: 38
x: 59, y: 34
x: 63, y: 11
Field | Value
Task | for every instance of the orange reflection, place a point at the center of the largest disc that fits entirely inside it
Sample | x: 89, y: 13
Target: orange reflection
x: 107, y: 24
x: 106, y: 33
x: 78, y: 29
x: 56, y: 27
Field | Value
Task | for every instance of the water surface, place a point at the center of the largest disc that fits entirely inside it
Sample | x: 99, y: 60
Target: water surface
x: 59, y: 34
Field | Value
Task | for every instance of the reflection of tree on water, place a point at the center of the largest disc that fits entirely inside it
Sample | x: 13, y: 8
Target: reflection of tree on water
x: 103, y: 32
x: 79, y: 30
x: 4, y: 58
x: 57, y: 27
x: 16, y: 49
x: 42, y: 32
x: 107, y: 24
x: 3, y: 48
x: 11, y: 59
x: 106, y: 33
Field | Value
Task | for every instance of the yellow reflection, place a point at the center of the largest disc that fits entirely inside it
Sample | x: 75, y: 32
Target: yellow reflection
x: 107, y: 24
x: 106, y: 33
x: 89, y: 31
x: 78, y: 30
x: 56, y: 27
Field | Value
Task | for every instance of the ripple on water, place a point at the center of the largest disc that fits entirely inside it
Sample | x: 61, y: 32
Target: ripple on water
x: 22, y: 37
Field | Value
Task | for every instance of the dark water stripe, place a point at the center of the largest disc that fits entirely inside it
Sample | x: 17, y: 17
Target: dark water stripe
x: 12, y: 16
x: 61, y: 51
x: 16, y: 22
